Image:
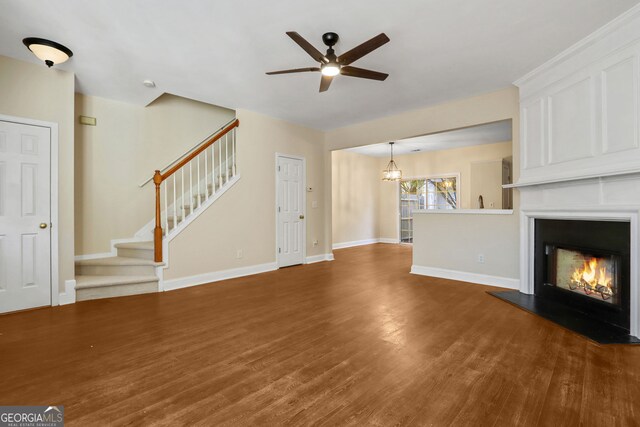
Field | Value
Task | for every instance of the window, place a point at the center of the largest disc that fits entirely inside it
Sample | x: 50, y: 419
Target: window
x: 425, y: 193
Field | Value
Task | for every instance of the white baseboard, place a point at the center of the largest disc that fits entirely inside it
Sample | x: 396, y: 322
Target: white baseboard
x: 463, y: 276
x: 319, y: 258
x: 354, y: 243
x: 69, y: 294
x: 216, y: 276
x: 387, y: 240
x: 363, y: 242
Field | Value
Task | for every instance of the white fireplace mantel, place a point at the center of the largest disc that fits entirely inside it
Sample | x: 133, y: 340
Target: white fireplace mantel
x: 580, y: 141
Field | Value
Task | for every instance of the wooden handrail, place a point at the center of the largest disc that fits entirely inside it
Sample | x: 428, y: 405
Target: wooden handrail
x: 203, y: 147
x: 186, y: 153
x: 159, y: 177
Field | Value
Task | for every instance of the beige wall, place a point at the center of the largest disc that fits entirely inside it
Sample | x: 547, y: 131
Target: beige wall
x: 122, y: 151
x: 244, y: 217
x: 487, y: 108
x: 36, y: 92
x: 454, y: 241
x: 486, y: 181
x: 356, y: 196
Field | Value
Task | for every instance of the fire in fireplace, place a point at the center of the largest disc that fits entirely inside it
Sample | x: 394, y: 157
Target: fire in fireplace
x: 586, y: 274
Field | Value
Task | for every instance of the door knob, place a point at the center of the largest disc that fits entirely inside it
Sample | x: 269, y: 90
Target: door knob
x: 43, y: 225
x: 301, y: 216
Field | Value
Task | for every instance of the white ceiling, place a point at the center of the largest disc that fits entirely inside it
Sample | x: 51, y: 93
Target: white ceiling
x: 218, y: 51
x: 475, y: 135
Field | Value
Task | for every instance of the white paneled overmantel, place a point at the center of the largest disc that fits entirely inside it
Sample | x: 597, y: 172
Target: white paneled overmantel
x: 580, y: 141
x: 580, y: 113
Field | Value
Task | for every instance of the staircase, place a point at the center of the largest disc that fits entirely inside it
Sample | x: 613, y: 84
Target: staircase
x: 186, y: 188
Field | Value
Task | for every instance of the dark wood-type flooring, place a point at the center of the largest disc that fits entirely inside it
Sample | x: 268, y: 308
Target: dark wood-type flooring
x: 358, y: 341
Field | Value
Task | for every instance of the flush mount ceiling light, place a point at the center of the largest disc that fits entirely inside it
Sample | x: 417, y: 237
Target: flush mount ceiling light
x: 391, y: 173
x: 48, y: 51
x: 149, y: 83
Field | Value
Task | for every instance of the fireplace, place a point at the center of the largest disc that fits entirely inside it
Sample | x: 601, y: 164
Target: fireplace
x: 584, y: 266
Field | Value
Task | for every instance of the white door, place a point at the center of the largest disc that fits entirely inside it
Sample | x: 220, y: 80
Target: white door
x: 25, y: 216
x: 291, y: 225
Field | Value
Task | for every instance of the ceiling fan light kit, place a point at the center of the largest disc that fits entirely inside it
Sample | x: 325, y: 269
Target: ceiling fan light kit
x: 332, y: 65
x: 330, y: 69
x: 50, y: 52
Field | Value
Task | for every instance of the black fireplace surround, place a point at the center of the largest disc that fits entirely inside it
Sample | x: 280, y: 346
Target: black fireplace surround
x: 596, y: 240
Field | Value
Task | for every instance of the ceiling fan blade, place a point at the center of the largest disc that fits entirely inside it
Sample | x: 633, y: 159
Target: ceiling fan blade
x: 293, y: 70
x: 363, y: 49
x: 308, y: 47
x: 325, y: 82
x: 362, y: 73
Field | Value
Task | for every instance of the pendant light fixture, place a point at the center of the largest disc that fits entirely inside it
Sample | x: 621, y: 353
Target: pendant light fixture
x: 391, y: 173
x: 48, y: 51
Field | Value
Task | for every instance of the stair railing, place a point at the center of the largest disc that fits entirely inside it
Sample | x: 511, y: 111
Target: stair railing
x: 173, y: 180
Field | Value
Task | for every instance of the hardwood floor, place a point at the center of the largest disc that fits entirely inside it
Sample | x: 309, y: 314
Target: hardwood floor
x: 357, y: 341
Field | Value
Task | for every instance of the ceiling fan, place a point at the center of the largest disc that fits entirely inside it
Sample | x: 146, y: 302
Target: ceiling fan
x: 332, y: 65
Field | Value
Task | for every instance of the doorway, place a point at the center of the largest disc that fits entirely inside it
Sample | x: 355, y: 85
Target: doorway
x: 25, y: 215
x: 290, y: 210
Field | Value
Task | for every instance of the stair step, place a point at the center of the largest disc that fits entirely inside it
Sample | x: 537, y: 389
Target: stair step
x: 117, y: 260
x: 85, y: 282
x: 135, y: 245
x: 142, y: 250
x: 90, y: 287
x: 117, y: 266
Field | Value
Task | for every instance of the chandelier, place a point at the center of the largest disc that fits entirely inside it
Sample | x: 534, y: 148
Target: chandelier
x: 391, y: 173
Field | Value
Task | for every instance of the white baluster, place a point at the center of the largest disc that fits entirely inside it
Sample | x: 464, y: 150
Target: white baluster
x: 220, y: 162
x: 182, y: 193
x: 233, y: 149
x: 166, y: 209
x: 213, y: 173
x: 191, y: 202
x: 175, y: 203
x: 198, y: 178
x: 206, y: 172
x: 226, y: 156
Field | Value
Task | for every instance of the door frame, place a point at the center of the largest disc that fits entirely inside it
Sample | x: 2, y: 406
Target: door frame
x: 304, y: 204
x: 53, y: 204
